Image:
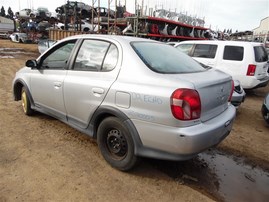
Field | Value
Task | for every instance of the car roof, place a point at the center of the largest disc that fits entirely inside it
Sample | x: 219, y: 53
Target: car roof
x: 220, y: 42
x: 119, y: 38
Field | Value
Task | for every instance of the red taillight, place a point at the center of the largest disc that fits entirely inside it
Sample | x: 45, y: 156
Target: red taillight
x: 251, y: 70
x: 231, y: 93
x: 185, y: 104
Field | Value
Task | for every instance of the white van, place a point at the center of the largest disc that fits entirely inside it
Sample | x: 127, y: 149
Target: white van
x: 244, y: 61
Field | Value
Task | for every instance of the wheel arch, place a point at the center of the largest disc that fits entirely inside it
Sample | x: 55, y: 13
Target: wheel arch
x: 17, y: 88
x: 107, y: 111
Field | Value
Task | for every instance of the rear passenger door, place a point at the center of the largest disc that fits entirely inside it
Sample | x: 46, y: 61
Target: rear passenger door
x: 232, y: 61
x: 89, y: 80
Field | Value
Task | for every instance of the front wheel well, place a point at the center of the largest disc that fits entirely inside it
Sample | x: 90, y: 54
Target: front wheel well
x: 17, y: 91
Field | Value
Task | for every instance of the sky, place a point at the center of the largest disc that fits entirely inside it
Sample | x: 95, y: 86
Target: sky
x: 238, y: 15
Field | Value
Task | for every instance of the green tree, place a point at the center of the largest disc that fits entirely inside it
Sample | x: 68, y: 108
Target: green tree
x: 10, y: 13
x: 3, y: 12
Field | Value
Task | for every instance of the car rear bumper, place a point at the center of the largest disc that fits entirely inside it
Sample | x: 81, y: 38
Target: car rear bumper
x: 253, y: 83
x: 171, y: 143
x: 238, y: 98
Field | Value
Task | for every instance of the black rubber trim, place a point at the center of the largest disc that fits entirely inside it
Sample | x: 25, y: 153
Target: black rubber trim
x: 16, y: 91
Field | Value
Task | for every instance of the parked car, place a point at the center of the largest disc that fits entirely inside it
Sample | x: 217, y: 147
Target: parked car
x: 239, y: 94
x: 25, y: 13
x: 18, y: 37
x: 42, y: 13
x: 73, y: 7
x: 265, y: 109
x: 83, y: 25
x: 245, y: 61
x: 136, y: 102
x: 104, y: 12
x: 44, y: 44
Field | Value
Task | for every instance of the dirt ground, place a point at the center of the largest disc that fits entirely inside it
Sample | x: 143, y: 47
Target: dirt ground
x: 42, y: 159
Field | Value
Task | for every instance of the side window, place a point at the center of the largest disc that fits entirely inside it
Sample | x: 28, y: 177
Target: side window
x: 58, y: 58
x: 233, y: 53
x: 111, y: 58
x: 91, y: 55
x: 185, y: 48
x: 205, y: 51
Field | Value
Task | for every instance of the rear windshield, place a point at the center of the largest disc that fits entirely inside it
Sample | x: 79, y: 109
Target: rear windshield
x: 165, y: 59
x: 260, y: 54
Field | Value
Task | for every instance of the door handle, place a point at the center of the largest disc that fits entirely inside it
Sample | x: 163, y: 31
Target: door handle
x: 57, y: 84
x: 98, y: 91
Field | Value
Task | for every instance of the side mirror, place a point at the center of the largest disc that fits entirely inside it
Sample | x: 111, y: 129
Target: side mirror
x: 31, y: 63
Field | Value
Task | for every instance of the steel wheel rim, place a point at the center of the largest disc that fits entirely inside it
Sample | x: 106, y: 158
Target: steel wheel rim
x: 116, y: 144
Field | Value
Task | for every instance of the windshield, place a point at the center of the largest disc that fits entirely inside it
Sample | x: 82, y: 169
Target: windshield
x: 163, y: 58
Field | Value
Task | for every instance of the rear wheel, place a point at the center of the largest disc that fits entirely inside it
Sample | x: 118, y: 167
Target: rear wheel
x: 116, y: 144
x: 26, y: 105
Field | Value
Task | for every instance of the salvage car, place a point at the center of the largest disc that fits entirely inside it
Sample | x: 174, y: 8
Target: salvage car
x: 245, y: 61
x: 134, y: 101
x: 19, y: 37
x: 239, y: 93
x: 73, y: 7
x: 25, y: 13
x: 265, y: 109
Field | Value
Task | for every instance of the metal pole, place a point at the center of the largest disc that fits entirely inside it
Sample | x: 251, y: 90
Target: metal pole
x: 98, y: 16
x: 92, y: 12
x: 115, y: 10
x: 142, y: 8
x: 135, y: 7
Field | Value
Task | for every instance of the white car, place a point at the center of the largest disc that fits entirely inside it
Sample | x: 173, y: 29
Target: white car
x: 25, y: 13
x: 84, y: 26
x: 244, y: 61
x: 239, y: 94
x: 18, y: 37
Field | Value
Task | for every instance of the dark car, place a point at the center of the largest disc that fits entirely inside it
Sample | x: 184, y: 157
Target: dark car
x: 72, y: 7
x: 104, y: 12
x: 265, y: 109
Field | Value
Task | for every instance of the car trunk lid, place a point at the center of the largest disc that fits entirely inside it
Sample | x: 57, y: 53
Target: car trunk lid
x: 214, y: 88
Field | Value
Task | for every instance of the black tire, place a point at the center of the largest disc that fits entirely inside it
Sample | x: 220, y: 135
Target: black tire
x: 116, y: 144
x: 26, y: 105
x: 86, y: 29
x: 265, y: 114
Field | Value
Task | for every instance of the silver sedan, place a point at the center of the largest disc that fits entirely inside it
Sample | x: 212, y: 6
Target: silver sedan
x: 131, y: 95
